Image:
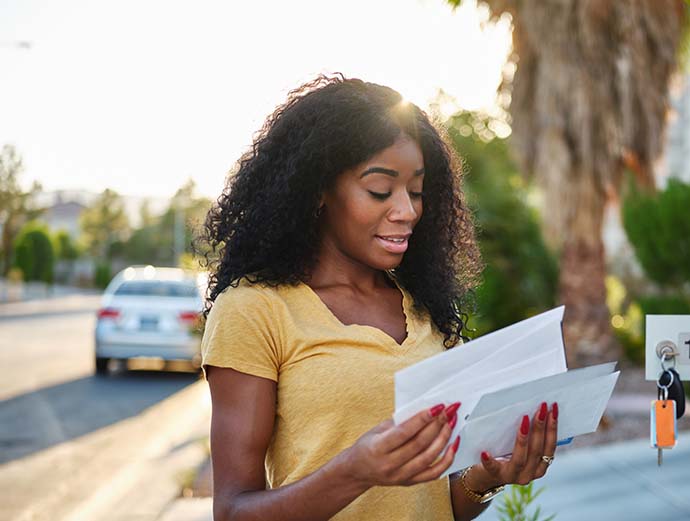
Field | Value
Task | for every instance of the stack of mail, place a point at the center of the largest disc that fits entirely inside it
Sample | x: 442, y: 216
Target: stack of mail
x: 499, y: 378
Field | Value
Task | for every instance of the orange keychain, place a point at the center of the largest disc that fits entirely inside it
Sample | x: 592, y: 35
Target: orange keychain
x: 662, y: 432
x: 663, y: 426
x: 665, y: 413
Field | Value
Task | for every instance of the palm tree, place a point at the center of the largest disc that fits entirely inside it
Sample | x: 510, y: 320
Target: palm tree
x: 589, y: 98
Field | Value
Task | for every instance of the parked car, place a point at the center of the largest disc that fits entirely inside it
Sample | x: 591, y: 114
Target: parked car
x: 150, y: 312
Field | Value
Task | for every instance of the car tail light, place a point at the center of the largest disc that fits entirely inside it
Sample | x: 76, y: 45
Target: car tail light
x: 110, y: 313
x: 188, y: 317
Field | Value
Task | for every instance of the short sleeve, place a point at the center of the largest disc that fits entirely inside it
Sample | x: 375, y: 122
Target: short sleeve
x: 241, y: 334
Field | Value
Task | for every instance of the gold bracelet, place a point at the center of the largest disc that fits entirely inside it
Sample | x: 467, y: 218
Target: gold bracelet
x: 488, y: 495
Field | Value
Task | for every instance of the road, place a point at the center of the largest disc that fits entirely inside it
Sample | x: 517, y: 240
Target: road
x: 65, y: 434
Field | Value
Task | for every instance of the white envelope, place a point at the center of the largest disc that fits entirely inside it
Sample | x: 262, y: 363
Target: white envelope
x: 580, y: 407
x: 413, y: 381
x: 546, y: 338
x: 494, y: 401
x: 469, y: 391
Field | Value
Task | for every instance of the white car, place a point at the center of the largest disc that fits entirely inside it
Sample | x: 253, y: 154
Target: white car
x: 150, y: 312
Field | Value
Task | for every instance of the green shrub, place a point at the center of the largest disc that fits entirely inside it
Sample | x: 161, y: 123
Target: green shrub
x: 521, y: 274
x: 33, y: 253
x: 658, y: 227
x: 102, y: 275
x: 664, y: 305
x: 64, y: 246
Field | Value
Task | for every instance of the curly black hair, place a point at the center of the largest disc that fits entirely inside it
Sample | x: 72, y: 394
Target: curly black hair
x: 263, y: 227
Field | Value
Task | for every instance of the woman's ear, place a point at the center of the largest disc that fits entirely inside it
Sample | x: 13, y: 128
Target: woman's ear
x: 320, y: 208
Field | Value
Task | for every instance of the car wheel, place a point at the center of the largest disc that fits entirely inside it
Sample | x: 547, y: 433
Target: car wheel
x: 102, y: 365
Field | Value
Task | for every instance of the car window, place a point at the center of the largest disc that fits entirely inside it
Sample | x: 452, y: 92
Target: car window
x: 157, y: 289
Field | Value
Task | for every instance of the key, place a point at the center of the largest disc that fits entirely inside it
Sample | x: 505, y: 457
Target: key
x: 671, y: 380
x: 652, y: 432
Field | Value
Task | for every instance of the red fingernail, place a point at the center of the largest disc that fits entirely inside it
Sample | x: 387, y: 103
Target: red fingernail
x: 485, y: 456
x: 455, y: 445
x: 450, y: 411
x: 542, y: 411
x: 554, y: 410
x: 453, y: 421
x: 436, y: 409
x: 524, y: 428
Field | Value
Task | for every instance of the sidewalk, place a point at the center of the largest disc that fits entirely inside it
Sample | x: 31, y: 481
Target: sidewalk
x: 614, y: 482
x: 619, y: 481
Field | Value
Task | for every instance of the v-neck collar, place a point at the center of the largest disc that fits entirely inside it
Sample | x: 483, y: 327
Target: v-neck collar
x: 371, y: 331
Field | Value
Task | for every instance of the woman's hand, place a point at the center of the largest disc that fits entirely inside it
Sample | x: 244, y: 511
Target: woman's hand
x: 526, y: 463
x: 408, y: 453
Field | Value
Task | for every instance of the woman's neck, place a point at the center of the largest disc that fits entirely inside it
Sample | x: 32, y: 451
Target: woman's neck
x: 333, y: 268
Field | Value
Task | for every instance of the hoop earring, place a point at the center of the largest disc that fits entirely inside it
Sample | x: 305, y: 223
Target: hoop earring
x: 318, y: 212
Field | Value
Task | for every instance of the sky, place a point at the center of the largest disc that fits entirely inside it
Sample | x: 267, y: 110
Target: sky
x: 139, y: 96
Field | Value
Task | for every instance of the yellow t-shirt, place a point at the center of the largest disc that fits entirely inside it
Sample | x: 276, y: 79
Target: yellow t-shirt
x: 334, y: 383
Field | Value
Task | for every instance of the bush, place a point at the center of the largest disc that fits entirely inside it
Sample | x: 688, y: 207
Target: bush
x: 33, y: 253
x: 103, y: 275
x: 658, y: 227
x: 664, y: 305
x: 521, y: 275
x: 64, y: 246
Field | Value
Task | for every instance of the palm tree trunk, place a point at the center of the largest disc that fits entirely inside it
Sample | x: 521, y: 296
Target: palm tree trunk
x: 586, y: 324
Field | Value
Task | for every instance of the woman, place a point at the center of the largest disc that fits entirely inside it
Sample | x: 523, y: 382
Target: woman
x: 344, y: 248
